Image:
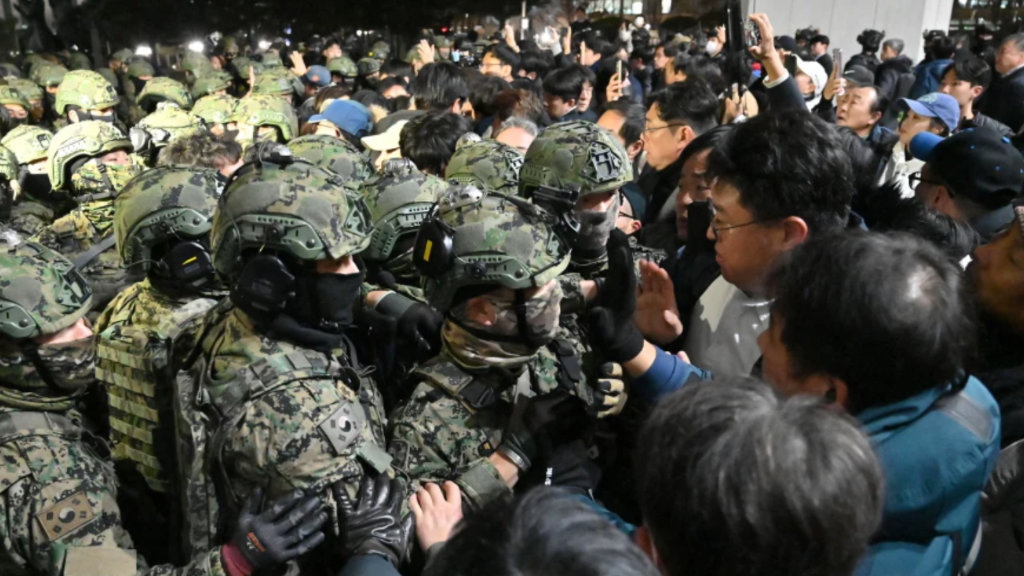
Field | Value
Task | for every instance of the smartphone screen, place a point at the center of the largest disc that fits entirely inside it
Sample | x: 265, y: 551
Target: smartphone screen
x: 837, y: 59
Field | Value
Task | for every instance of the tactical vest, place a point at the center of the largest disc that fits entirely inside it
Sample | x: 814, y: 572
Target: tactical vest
x: 136, y: 363
x: 204, y: 424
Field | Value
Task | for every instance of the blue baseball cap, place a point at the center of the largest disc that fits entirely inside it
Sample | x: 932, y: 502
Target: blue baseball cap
x: 936, y: 105
x: 317, y: 75
x: 349, y: 115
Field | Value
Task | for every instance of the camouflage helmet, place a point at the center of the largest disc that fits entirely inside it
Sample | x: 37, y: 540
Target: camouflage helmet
x: 334, y: 154
x: 292, y: 208
x: 272, y: 82
x: 79, y: 61
x: 8, y: 164
x: 8, y: 95
x: 9, y: 70
x: 85, y: 89
x: 33, y: 60
x: 28, y: 89
x: 213, y: 81
x: 271, y: 59
x: 486, y: 240
x: 162, y: 204
x: 400, y: 199
x: 108, y: 75
x: 380, y: 50
x: 41, y: 293
x: 123, y: 55
x: 82, y: 140
x: 140, y: 69
x: 195, y: 63
x: 487, y: 164
x: 215, y: 108
x: 159, y: 128
x: 443, y: 42
x: 28, y: 143
x: 48, y: 74
x: 571, y: 160
x: 267, y: 110
x: 343, y: 67
x: 367, y: 66
x: 163, y: 89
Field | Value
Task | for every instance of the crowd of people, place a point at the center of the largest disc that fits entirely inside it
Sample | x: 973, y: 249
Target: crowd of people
x: 569, y: 304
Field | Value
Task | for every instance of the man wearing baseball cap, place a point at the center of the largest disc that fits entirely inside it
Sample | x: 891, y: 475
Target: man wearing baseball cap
x: 346, y: 119
x: 972, y: 176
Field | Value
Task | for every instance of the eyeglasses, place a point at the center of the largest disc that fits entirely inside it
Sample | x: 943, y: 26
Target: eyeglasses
x: 648, y: 130
x: 916, y: 179
x: 716, y: 231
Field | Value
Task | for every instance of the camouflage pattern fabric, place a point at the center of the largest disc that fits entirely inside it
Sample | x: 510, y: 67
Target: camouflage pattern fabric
x: 47, y: 75
x: 29, y: 217
x: 29, y: 143
x: 343, y: 67
x: 163, y: 89
x: 267, y: 110
x: 215, y: 108
x: 487, y: 164
x: 334, y: 154
x: 87, y: 139
x: 85, y: 89
x: 575, y: 157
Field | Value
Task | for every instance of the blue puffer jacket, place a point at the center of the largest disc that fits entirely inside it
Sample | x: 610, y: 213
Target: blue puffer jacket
x: 928, y: 77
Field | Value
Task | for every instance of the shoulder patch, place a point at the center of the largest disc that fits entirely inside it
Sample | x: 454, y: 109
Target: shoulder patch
x: 343, y: 426
x: 66, y: 515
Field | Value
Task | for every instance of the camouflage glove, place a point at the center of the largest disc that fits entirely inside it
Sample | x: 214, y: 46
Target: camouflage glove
x: 611, y: 318
x: 610, y: 393
x: 417, y: 324
x: 374, y: 524
x: 540, y: 423
x: 287, y: 529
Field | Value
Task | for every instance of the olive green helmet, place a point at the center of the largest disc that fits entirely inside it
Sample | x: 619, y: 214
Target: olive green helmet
x: 163, y: 89
x: 571, y: 160
x: 9, y: 70
x: 123, y: 55
x: 274, y: 83
x: 160, y: 205
x: 271, y: 60
x: 48, y: 74
x: 85, y: 89
x: 487, y: 164
x: 82, y: 140
x: 195, y: 63
x: 28, y: 89
x: 141, y: 69
x: 215, y: 108
x: 267, y: 110
x: 334, y: 154
x: 367, y: 66
x: 214, y: 81
x: 400, y: 199
x: 295, y: 208
x: 8, y: 164
x: 343, y: 67
x: 158, y: 129
x: 486, y: 240
x: 79, y: 61
x: 41, y: 293
x: 8, y: 95
x: 33, y: 60
x: 28, y: 143
x: 380, y: 50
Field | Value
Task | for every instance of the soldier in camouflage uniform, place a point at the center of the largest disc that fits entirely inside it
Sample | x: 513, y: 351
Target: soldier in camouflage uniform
x: 33, y: 94
x: 487, y: 164
x: 58, y: 497
x: 334, y: 154
x: 161, y: 223
x: 91, y: 161
x: 17, y: 106
x: 85, y: 95
x: 9, y: 187
x: 491, y: 265
x: 264, y: 118
x: 154, y: 132
x: 275, y: 398
x: 160, y: 90
x: 213, y: 82
x: 216, y: 111
x: 343, y: 70
x: 37, y: 204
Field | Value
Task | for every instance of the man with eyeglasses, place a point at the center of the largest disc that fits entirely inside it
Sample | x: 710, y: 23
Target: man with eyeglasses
x: 778, y: 179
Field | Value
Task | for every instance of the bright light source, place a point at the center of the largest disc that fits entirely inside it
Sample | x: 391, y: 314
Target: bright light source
x: 197, y: 46
x: 143, y: 50
x: 264, y: 44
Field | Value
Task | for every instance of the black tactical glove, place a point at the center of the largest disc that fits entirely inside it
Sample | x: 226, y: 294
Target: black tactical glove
x: 417, y: 324
x: 538, y: 424
x: 374, y: 524
x: 287, y: 529
x: 571, y: 467
x: 611, y: 318
x: 609, y: 391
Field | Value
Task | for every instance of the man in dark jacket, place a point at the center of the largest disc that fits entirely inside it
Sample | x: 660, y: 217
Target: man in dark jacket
x: 928, y: 74
x: 869, y: 41
x: 894, y: 65
x: 1004, y: 100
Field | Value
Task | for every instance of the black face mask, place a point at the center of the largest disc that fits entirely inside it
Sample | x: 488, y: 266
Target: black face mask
x: 139, y: 84
x: 325, y: 301
x: 37, y: 186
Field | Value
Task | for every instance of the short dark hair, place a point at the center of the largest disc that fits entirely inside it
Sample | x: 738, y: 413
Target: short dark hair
x: 690, y: 102
x: 942, y: 47
x: 886, y: 314
x: 397, y: 68
x: 391, y: 82
x: 734, y: 481
x: 820, y: 39
x: 438, y: 86
x: 633, y: 116
x: 597, y: 44
x: 970, y: 68
x: 521, y: 103
x: 707, y: 70
x: 706, y: 141
x: 536, y: 61
x: 482, y: 91
x: 565, y: 83
x: 547, y: 528
x: 505, y: 54
x: 429, y: 139
x: 788, y: 164
x: 669, y: 47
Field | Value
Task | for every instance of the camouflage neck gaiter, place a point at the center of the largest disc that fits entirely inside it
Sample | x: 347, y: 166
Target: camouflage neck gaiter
x: 507, y: 343
x: 53, y: 380
x: 595, y: 228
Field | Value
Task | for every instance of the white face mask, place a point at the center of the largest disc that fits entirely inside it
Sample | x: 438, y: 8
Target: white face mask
x: 712, y: 47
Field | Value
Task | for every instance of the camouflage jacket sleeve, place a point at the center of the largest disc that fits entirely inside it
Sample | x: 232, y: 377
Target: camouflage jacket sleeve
x: 572, y: 293
x: 436, y: 438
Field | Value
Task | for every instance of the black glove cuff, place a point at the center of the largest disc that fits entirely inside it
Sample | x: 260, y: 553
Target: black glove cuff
x: 394, y: 305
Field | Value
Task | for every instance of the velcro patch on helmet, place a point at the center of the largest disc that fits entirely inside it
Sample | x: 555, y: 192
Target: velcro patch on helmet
x: 343, y: 426
x: 66, y: 516
x: 605, y: 165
